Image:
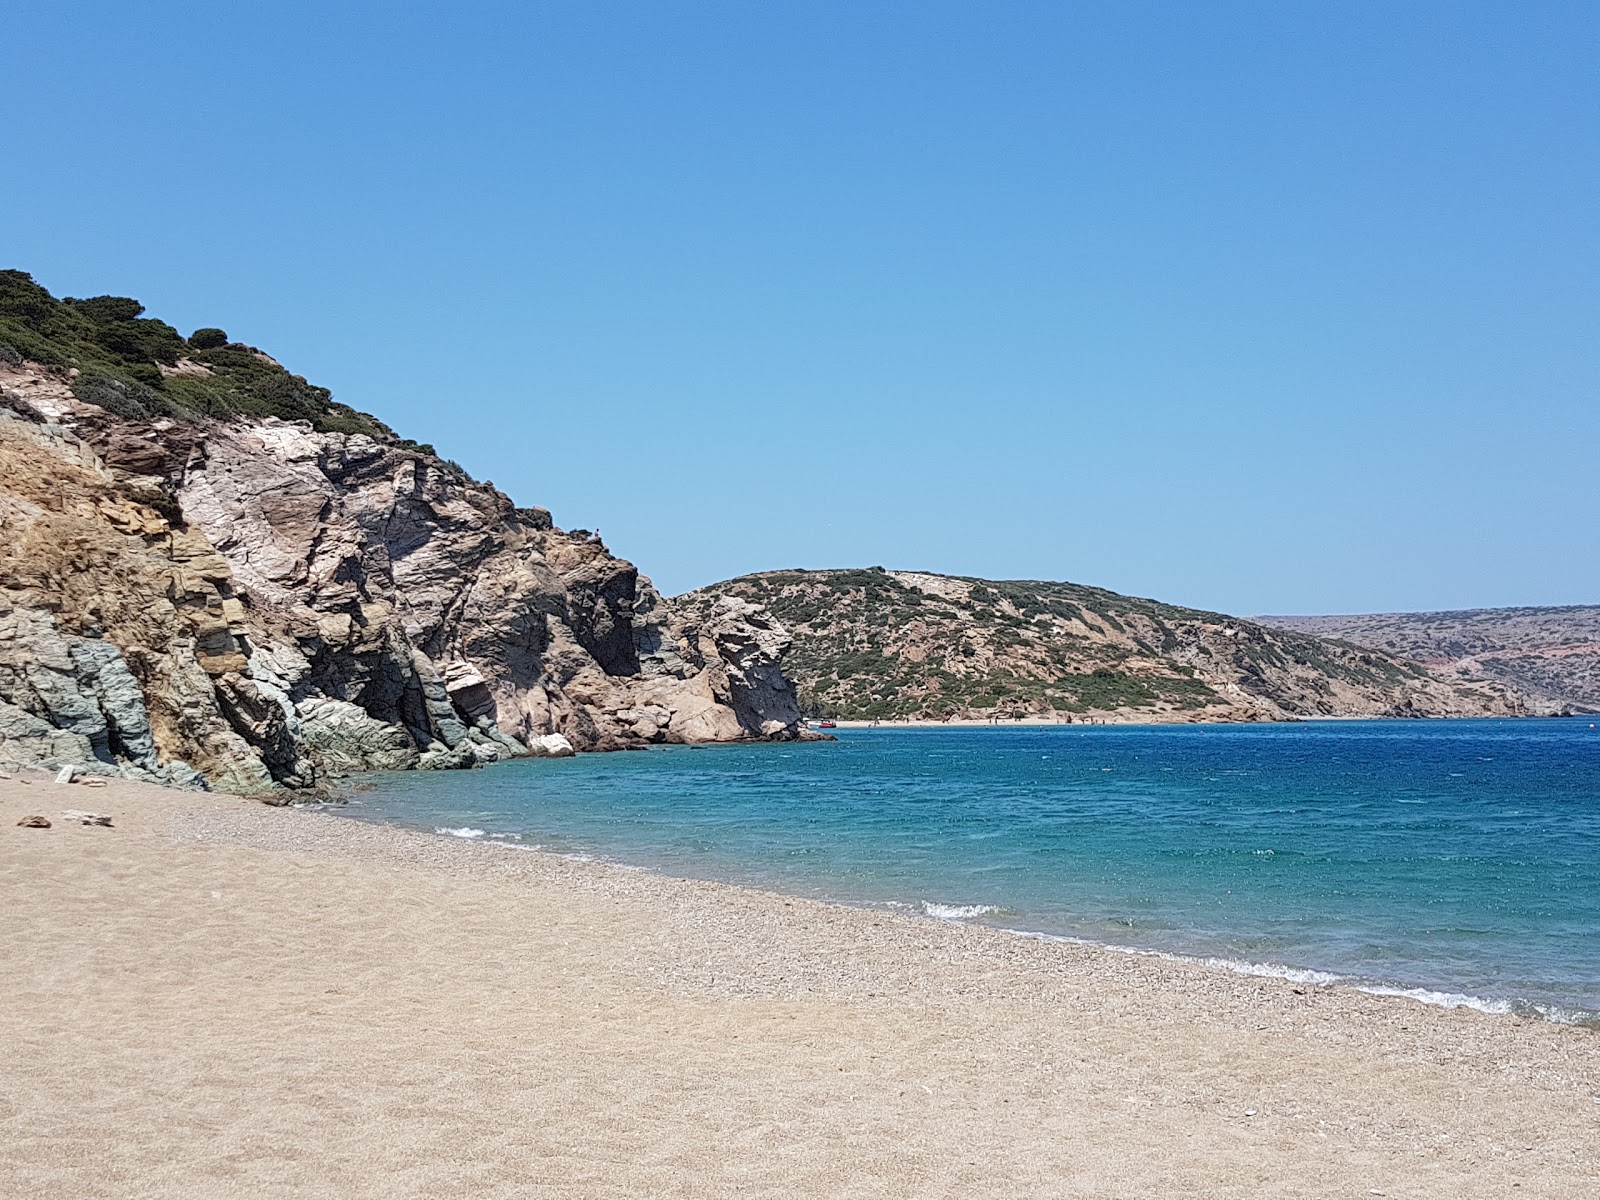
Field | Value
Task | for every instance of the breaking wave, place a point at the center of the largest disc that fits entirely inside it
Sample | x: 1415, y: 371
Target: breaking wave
x: 960, y: 912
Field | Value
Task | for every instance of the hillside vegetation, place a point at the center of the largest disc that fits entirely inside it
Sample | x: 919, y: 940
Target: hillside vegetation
x: 1550, y: 653
x: 137, y: 367
x: 896, y: 644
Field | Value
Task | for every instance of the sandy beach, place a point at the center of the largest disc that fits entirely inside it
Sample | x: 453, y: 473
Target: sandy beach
x: 214, y: 998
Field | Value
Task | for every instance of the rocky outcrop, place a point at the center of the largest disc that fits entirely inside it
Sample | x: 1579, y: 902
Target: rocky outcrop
x: 751, y: 645
x: 260, y: 605
x: 71, y: 699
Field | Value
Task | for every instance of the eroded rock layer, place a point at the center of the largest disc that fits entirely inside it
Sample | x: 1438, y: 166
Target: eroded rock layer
x: 256, y: 604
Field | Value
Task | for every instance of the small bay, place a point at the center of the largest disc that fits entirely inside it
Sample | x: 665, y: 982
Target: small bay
x: 1457, y: 859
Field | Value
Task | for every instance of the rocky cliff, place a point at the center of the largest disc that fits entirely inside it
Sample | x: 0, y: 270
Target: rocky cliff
x: 1551, y: 654
x: 254, y: 603
x: 887, y: 644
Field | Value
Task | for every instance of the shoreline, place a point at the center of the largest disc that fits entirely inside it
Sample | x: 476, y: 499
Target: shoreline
x: 1112, y: 720
x: 971, y: 916
x: 273, y: 1001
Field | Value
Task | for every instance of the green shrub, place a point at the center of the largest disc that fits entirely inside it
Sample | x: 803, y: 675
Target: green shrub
x: 126, y: 398
x: 209, y: 338
x: 118, y: 327
x: 146, y: 373
x: 104, y: 310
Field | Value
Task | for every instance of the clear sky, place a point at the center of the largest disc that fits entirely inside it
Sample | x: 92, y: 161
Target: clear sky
x: 1264, y: 308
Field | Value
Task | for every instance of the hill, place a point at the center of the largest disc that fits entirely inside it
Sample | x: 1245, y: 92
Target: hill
x: 902, y: 644
x: 214, y: 574
x: 1552, y: 654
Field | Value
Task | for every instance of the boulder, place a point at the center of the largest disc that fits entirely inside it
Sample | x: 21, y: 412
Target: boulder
x: 467, y: 689
x: 30, y: 741
x: 342, y: 737
x: 551, y: 745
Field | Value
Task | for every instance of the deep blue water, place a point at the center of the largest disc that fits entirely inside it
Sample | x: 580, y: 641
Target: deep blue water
x: 1460, y: 857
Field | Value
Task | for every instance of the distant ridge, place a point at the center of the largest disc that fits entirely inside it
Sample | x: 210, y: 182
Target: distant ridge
x: 1552, y: 653
x: 886, y: 644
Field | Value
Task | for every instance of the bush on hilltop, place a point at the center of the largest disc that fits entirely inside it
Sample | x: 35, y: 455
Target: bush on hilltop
x: 208, y: 338
x: 119, y: 354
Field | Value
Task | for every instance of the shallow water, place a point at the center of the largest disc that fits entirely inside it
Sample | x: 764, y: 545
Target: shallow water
x: 1457, y: 857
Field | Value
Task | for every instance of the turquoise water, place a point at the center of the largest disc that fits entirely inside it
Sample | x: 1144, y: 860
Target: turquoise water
x: 1455, y: 857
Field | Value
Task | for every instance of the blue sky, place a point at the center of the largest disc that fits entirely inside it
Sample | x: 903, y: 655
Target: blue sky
x: 1264, y: 308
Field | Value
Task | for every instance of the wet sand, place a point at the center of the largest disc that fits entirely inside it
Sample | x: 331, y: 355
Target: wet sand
x: 214, y: 998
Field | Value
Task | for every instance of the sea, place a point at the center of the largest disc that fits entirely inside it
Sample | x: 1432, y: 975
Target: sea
x: 1456, y: 861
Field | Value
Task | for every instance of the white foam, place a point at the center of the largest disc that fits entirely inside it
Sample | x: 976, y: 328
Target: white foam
x: 466, y: 831
x: 1266, y: 970
x: 959, y: 912
x: 1235, y: 966
x: 1499, y: 1008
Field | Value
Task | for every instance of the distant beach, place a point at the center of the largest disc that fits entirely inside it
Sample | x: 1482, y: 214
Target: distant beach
x: 213, y: 997
x: 1176, y: 717
x: 1132, y: 718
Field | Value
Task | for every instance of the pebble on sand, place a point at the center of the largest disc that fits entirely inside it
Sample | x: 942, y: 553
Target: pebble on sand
x: 88, y: 818
x: 34, y: 822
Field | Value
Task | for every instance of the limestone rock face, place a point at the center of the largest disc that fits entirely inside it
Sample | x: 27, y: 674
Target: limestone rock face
x: 258, y: 605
